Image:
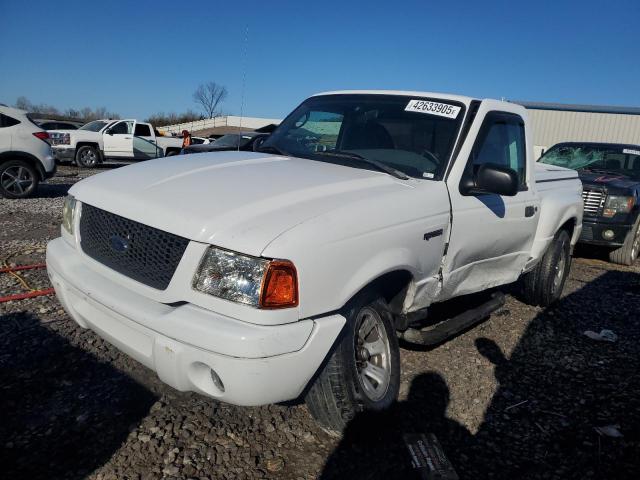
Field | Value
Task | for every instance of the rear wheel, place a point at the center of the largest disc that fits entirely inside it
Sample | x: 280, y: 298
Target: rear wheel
x: 544, y: 284
x: 171, y: 153
x: 18, y: 179
x: 363, y: 372
x: 628, y: 252
x: 87, y: 157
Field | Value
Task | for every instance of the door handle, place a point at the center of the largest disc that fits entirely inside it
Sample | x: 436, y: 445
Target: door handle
x: 530, y: 211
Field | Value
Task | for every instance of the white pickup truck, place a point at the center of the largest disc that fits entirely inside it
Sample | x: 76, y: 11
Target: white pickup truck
x: 119, y: 139
x: 261, y: 277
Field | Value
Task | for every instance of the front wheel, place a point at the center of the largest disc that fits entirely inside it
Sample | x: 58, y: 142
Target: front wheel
x: 18, y: 179
x: 544, y: 284
x: 363, y: 372
x: 627, y: 254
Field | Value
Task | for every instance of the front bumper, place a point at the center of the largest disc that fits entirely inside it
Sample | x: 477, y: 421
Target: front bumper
x: 592, y: 233
x: 64, y: 154
x: 257, y: 364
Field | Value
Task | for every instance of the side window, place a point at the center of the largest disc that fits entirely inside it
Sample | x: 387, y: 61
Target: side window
x: 501, y: 141
x: 142, y: 130
x: 122, y: 128
x: 6, y: 121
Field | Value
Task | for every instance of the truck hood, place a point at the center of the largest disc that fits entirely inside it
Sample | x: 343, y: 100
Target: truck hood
x: 610, y: 180
x: 546, y: 172
x: 236, y: 200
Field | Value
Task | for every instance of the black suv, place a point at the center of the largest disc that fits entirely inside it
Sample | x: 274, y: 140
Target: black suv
x: 610, y: 175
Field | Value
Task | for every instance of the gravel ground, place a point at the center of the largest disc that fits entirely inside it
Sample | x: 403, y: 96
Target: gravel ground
x: 519, y: 396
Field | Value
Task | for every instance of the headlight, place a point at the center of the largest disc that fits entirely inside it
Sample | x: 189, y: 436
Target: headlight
x: 68, y: 213
x: 244, y: 279
x: 617, y: 204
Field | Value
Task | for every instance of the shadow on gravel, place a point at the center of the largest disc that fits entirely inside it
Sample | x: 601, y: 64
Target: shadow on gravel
x: 52, y: 190
x: 372, y: 445
x: 63, y: 412
x: 557, y: 386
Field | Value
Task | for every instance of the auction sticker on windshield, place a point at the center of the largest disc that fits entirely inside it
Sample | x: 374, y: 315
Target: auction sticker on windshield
x: 433, y: 108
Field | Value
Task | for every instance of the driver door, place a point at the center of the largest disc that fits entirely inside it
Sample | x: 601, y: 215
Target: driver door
x: 491, y: 234
x: 118, y: 140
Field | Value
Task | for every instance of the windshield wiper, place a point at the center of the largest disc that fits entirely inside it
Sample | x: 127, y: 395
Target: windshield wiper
x: 272, y: 149
x: 354, y: 156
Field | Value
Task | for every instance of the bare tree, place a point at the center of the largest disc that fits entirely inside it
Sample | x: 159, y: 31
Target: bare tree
x: 209, y: 96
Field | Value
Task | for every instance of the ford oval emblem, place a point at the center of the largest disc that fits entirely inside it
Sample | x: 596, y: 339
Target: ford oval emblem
x: 119, y: 244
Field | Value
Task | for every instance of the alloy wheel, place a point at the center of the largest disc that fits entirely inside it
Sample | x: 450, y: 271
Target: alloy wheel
x: 372, y: 354
x: 16, y: 180
x: 88, y: 157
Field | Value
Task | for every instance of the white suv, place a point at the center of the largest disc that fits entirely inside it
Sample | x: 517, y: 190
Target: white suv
x: 25, y: 154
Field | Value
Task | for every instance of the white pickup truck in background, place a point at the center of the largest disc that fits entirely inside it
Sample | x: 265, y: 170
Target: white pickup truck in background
x: 119, y: 139
x: 261, y: 277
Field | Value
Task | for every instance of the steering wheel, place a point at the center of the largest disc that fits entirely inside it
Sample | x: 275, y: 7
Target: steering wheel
x: 431, y: 156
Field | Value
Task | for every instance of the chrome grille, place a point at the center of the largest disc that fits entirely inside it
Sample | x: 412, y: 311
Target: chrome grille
x: 138, y: 251
x: 593, y: 201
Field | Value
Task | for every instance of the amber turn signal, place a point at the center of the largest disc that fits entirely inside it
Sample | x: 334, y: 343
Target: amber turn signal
x: 280, y: 285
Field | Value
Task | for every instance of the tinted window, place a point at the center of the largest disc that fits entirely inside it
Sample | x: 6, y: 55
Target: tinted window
x: 142, y: 130
x: 7, y: 121
x: 196, y: 141
x: 94, y: 126
x: 121, y: 128
x: 501, y: 141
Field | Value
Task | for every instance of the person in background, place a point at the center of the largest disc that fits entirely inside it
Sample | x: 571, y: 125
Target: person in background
x: 186, y: 138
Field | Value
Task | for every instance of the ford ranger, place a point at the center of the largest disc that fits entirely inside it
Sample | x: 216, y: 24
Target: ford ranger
x: 117, y: 139
x: 292, y: 272
x: 610, y: 175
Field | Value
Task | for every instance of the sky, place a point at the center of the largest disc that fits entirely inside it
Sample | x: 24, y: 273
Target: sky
x: 141, y: 57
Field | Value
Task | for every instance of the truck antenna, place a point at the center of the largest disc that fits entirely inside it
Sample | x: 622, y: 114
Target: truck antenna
x: 244, y: 77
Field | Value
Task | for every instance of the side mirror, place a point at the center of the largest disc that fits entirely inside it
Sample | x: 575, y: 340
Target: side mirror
x: 491, y: 178
x: 108, y: 131
x: 258, y: 143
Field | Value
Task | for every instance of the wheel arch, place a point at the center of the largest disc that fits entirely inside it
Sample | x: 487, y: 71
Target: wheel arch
x: 27, y: 157
x: 393, y: 285
x: 175, y: 150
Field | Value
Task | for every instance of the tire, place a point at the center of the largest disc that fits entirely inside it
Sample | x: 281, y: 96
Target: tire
x: 87, y: 157
x: 18, y: 179
x: 171, y: 153
x: 627, y: 254
x: 346, y: 383
x: 543, y: 285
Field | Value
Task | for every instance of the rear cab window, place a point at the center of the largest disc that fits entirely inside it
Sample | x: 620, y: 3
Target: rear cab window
x: 142, y: 130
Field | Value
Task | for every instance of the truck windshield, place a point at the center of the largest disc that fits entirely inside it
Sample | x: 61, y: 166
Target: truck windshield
x: 94, y: 126
x: 412, y: 135
x: 608, y: 158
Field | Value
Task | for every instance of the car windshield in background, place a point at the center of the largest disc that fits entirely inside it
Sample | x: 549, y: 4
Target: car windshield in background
x: 232, y: 140
x: 608, y: 158
x: 94, y: 126
x: 411, y: 135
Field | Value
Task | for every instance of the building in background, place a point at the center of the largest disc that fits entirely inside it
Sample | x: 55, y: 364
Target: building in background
x: 555, y: 122
x: 218, y: 126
